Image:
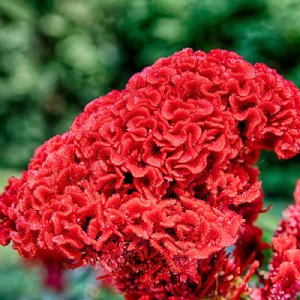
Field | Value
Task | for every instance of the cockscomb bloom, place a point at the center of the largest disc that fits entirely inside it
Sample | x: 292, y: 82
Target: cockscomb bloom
x: 156, y: 183
x: 283, y: 280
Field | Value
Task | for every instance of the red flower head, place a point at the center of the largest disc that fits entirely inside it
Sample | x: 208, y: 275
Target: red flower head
x: 155, y: 181
x: 283, y: 281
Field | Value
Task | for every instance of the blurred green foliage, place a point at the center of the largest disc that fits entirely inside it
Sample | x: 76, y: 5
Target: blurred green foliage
x: 15, y: 281
x: 21, y: 281
x: 56, y: 55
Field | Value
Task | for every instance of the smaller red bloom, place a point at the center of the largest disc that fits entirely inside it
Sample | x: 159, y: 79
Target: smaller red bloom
x: 283, y: 281
x: 297, y: 193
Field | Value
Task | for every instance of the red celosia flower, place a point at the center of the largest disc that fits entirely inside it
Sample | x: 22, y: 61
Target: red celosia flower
x: 283, y: 280
x: 297, y: 193
x: 155, y: 182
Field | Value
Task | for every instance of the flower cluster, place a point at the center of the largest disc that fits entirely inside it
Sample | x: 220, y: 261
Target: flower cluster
x: 156, y: 181
x: 283, y: 280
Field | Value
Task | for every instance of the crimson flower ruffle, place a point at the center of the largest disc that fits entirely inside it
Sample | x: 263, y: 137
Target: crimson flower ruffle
x: 283, y: 280
x: 156, y: 181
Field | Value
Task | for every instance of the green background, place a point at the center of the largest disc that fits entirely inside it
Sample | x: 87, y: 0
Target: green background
x: 55, y: 56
